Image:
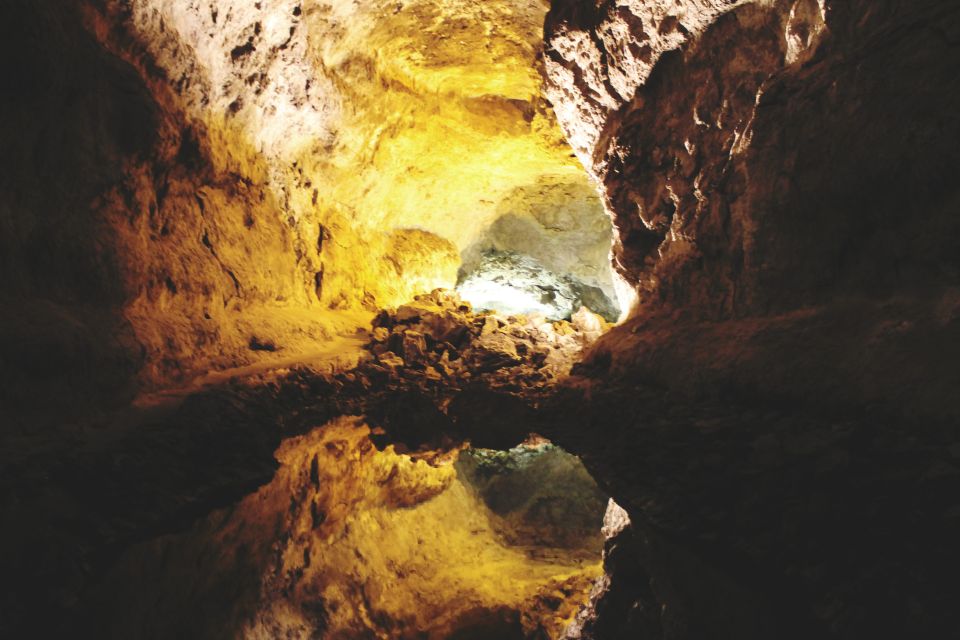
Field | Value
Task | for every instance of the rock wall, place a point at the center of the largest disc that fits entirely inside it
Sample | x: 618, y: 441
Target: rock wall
x: 365, y: 122
x: 129, y: 259
x: 62, y: 144
x: 780, y: 179
x: 789, y: 161
x: 202, y: 185
x: 761, y: 156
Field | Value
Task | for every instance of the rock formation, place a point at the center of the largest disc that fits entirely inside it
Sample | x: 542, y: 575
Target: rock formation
x: 219, y: 224
x: 226, y: 183
x: 345, y: 542
x: 708, y: 131
x: 779, y: 176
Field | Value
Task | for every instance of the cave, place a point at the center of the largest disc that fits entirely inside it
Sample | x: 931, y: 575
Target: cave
x: 509, y: 319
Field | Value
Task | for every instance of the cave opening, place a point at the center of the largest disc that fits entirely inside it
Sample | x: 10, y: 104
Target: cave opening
x: 547, y: 252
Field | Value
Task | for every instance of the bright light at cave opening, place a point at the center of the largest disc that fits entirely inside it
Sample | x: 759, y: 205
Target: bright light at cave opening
x: 498, y: 296
x: 513, y: 283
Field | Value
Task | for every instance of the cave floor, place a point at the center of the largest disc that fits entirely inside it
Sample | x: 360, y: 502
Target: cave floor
x: 341, y: 353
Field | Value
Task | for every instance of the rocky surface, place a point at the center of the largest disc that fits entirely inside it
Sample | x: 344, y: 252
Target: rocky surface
x: 216, y: 184
x: 85, y: 513
x: 777, y: 173
x: 561, y: 227
x: 743, y: 171
x: 129, y: 259
x: 347, y: 541
x: 510, y: 282
x: 437, y: 347
x: 364, y: 131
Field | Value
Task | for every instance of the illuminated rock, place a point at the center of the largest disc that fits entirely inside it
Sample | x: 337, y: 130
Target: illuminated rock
x: 290, y: 167
x: 514, y: 283
x: 539, y: 493
x: 348, y: 541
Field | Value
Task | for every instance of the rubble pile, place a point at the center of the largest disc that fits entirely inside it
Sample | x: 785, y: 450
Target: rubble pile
x: 438, y: 337
x: 435, y: 373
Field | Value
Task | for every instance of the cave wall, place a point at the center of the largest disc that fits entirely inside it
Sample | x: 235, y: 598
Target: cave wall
x: 202, y: 185
x: 767, y: 156
x: 378, y: 128
x: 71, y: 116
x: 130, y: 259
x: 776, y: 412
x: 780, y: 179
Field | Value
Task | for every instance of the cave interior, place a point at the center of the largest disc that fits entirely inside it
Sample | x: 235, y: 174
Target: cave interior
x: 548, y: 319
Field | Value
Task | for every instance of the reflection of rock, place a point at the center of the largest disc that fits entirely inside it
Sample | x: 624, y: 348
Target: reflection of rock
x: 622, y: 603
x: 347, y: 542
x: 540, y: 493
x: 513, y: 283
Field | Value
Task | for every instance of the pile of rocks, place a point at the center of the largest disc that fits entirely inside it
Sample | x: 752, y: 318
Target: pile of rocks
x: 439, y: 337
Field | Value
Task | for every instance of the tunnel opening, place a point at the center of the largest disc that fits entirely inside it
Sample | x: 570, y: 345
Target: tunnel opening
x: 512, y: 283
x: 547, y: 252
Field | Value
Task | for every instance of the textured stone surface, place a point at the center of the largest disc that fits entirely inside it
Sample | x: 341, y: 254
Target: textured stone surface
x: 362, y: 120
x: 514, y: 283
x: 753, y: 154
x: 558, y: 223
x: 347, y: 541
x: 779, y: 176
x: 198, y: 177
x: 779, y: 179
x: 598, y: 55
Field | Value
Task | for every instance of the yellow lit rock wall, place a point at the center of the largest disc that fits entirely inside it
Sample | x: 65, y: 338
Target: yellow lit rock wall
x: 347, y: 542
x: 318, y: 156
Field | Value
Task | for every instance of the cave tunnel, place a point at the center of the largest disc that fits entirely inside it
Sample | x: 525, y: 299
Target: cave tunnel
x: 508, y: 319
